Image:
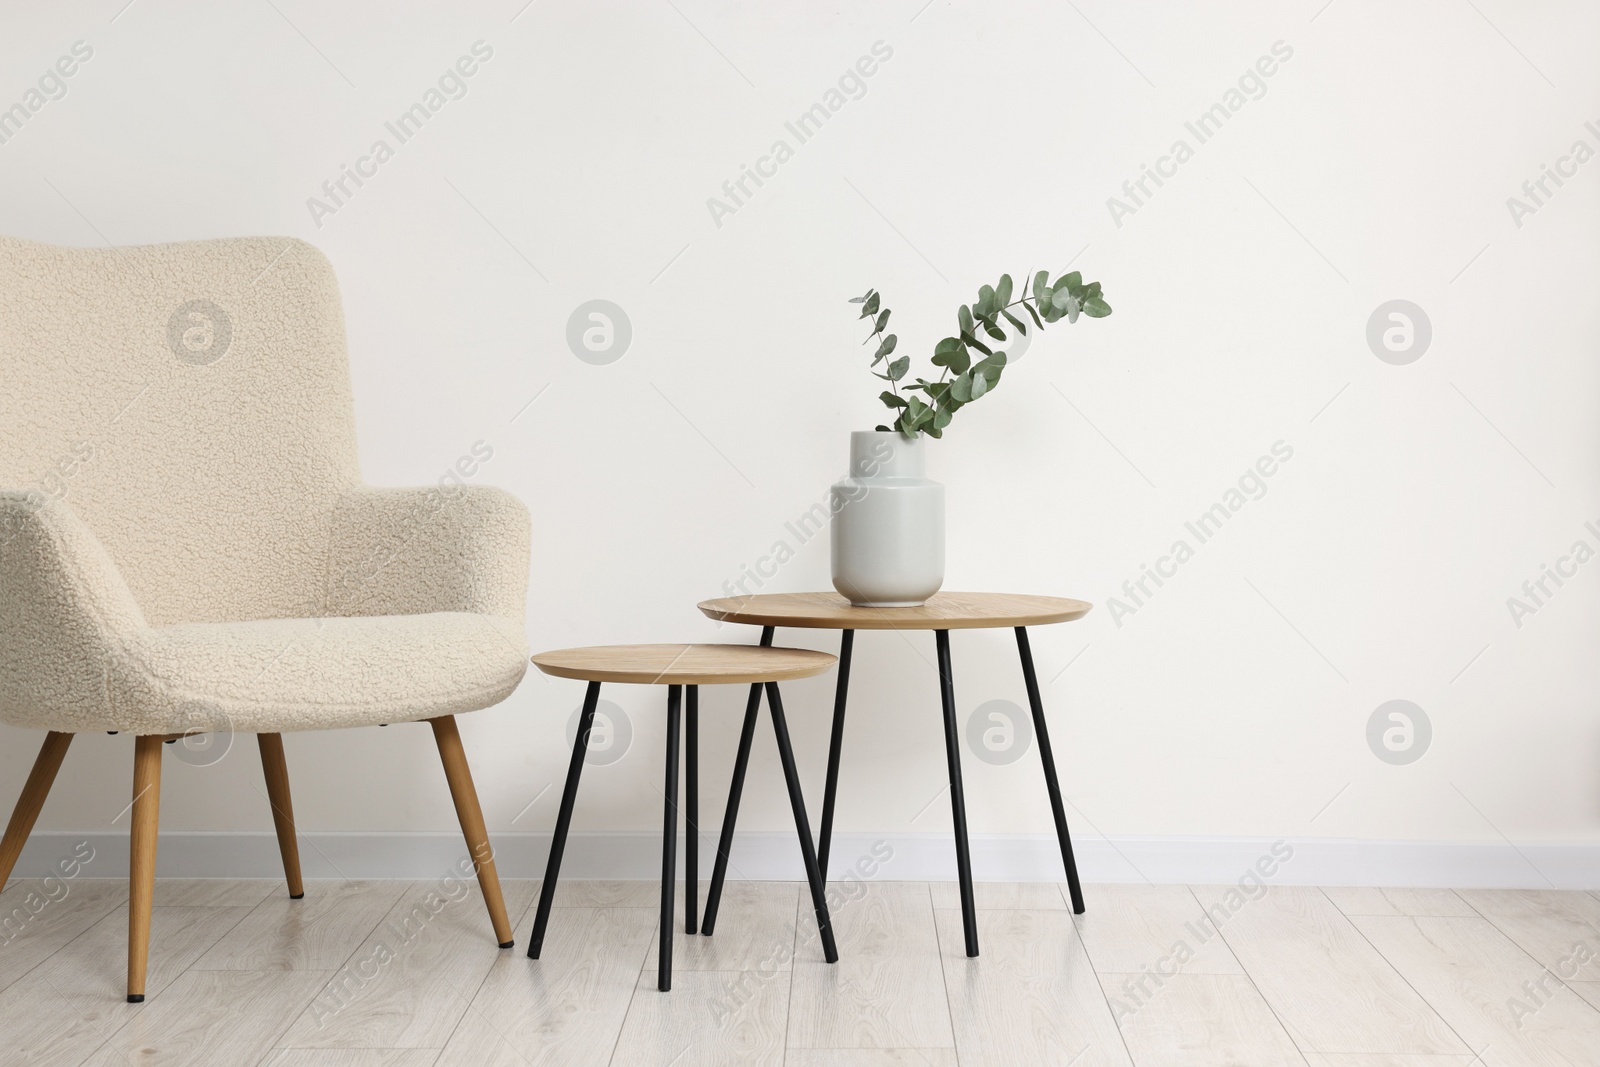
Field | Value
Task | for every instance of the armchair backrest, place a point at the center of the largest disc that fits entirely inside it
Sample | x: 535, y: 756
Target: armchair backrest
x: 191, y: 403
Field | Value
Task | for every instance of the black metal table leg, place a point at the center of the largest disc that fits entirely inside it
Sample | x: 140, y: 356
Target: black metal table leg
x: 819, y: 892
x: 741, y: 762
x: 558, y: 843
x: 691, y: 805
x: 958, y: 800
x: 835, y: 745
x: 669, y: 841
x: 1047, y: 757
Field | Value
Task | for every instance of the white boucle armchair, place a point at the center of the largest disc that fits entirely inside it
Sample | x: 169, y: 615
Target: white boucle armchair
x: 186, y: 548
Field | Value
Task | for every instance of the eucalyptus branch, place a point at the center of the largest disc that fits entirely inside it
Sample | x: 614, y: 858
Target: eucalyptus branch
x: 1044, y: 301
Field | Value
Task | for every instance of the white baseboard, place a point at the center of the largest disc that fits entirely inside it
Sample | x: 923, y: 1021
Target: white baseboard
x: 916, y: 857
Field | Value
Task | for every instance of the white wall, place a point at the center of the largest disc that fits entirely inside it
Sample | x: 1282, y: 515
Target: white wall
x: 1235, y: 701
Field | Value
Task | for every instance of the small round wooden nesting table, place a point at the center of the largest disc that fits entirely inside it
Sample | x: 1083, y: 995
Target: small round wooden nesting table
x: 942, y: 613
x: 680, y: 668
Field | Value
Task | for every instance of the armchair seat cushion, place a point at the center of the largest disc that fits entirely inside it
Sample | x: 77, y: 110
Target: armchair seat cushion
x: 280, y: 675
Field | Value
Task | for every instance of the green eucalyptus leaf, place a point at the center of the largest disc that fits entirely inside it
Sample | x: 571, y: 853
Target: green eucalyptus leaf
x: 898, y: 368
x: 883, y: 320
x: 980, y: 385
x: 973, y: 342
x: 1069, y: 281
x: 885, y: 348
x: 994, y: 331
x: 1041, y: 285
x: 1034, y: 315
x: 870, y: 308
x: 890, y: 400
x: 1002, y: 292
x: 1015, y: 322
x: 941, y: 419
x: 964, y: 317
x: 1096, y: 308
x: 985, y: 306
x: 961, y: 387
x: 1067, y: 303
x: 952, y: 353
x: 933, y: 431
x: 880, y: 428
x: 990, y: 368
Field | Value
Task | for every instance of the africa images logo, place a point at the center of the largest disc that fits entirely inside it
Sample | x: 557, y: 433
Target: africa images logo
x: 52, y: 85
x: 851, y: 85
x: 199, y: 332
x: 338, y: 191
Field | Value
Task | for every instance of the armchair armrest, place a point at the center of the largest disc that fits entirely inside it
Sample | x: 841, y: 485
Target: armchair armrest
x: 416, y: 551
x: 65, y: 615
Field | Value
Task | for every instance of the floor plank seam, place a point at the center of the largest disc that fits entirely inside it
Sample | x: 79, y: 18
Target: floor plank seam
x: 644, y: 961
x: 1544, y: 969
x: 519, y: 923
x: 334, y: 975
x: 944, y: 978
x: 244, y: 914
x: 1295, y: 1039
x: 1438, y: 1014
x: 51, y: 955
x: 794, y: 957
x: 1282, y: 1023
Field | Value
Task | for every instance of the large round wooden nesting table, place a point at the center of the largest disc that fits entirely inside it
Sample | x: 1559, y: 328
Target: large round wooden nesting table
x: 942, y: 613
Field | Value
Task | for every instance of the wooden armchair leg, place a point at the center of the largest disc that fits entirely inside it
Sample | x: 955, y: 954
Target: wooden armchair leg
x: 276, y: 769
x: 465, y: 796
x: 142, y: 858
x: 34, y: 791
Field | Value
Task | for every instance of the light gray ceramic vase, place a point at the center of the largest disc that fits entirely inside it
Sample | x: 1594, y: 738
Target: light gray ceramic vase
x: 888, y: 523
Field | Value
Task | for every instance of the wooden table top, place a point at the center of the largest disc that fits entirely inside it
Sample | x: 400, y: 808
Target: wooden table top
x: 943, y: 611
x: 683, y: 664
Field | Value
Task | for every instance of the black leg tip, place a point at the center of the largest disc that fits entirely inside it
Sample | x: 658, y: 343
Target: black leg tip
x: 135, y: 998
x: 533, y: 952
x: 297, y: 896
x: 508, y: 944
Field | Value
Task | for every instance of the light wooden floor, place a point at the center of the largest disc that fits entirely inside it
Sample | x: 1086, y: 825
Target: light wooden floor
x: 397, y: 974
